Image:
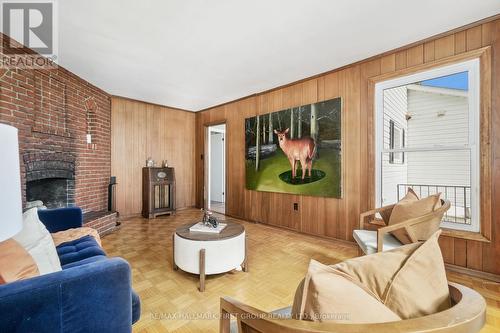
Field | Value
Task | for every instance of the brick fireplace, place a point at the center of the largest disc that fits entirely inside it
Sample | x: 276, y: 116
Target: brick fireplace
x: 55, y: 111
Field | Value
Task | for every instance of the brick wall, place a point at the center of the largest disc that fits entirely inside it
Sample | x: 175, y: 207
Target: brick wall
x: 53, y: 110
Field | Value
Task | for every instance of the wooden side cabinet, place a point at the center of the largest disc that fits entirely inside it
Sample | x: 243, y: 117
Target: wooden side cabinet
x: 158, y: 192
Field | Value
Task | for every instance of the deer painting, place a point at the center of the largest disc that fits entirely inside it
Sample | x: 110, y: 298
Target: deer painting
x: 302, y: 150
x: 278, y: 144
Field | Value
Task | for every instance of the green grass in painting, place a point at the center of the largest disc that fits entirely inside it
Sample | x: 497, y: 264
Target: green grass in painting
x: 267, y: 178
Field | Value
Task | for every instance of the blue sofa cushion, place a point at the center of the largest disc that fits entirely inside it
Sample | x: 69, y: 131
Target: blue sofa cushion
x: 84, y: 251
x: 61, y: 218
x: 77, y: 250
x: 84, y: 261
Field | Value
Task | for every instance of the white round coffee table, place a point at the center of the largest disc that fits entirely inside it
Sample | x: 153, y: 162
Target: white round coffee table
x: 209, y: 253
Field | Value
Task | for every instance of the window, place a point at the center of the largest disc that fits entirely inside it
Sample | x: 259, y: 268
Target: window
x: 428, y: 139
x: 396, y: 142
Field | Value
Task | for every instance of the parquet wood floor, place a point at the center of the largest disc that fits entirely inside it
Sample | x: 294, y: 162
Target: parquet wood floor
x: 278, y: 260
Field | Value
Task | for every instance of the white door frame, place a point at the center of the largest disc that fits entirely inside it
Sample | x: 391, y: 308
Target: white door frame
x: 209, y: 129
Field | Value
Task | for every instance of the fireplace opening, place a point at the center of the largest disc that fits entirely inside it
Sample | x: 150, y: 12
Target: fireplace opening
x: 53, y: 192
x: 50, y: 178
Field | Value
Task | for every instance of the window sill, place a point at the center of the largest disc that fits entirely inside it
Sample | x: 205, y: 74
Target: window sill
x: 468, y: 235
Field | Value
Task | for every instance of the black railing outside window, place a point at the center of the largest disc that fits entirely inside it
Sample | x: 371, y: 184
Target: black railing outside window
x: 459, y: 196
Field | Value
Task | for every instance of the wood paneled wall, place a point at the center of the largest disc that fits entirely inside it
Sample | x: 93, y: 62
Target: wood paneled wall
x: 336, y: 218
x: 140, y: 130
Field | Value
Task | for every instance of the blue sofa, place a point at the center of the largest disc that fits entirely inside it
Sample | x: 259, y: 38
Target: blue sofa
x: 92, y: 293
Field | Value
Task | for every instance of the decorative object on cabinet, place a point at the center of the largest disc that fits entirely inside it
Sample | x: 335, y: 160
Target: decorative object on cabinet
x: 150, y: 163
x: 158, y: 192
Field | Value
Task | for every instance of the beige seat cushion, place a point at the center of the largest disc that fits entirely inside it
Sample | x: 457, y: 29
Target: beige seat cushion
x: 15, y: 262
x: 73, y: 234
x: 410, y: 280
x: 327, y: 294
x: 367, y: 241
x: 411, y: 207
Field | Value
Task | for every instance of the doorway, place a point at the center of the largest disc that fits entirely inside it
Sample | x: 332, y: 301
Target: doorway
x: 216, y: 168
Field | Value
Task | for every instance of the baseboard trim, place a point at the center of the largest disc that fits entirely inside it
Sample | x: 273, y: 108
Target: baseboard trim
x: 325, y: 238
x: 131, y: 216
x: 473, y: 273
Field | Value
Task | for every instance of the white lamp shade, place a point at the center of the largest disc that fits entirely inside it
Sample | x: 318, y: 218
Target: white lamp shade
x: 11, y: 209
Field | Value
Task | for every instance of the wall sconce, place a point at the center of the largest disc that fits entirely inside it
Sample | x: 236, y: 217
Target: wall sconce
x: 90, y: 145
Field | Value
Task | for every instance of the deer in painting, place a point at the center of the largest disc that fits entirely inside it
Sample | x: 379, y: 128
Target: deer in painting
x: 302, y: 150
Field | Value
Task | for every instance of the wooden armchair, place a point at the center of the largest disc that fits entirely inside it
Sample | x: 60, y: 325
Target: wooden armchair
x: 467, y: 315
x: 371, y: 241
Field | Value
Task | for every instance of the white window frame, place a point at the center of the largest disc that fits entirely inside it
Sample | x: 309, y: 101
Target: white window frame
x: 473, y: 69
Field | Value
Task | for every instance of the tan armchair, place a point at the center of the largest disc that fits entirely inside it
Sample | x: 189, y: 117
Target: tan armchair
x: 467, y: 315
x: 371, y: 241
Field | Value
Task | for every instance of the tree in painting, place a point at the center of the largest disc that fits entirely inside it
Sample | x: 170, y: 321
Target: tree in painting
x: 297, y: 150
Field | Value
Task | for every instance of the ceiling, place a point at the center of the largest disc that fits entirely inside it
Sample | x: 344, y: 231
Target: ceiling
x: 193, y: 54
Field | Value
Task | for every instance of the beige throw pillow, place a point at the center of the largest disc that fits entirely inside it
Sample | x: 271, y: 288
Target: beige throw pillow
x: 74, y: 234
x: 386, y: 214
x: 424, y: 231
x: 15, y: 262
x: 376, y: 271
x: 327, y: 294
x: 411, y: 207
x: 36, y: 239
x: 420, y: 287
x: 410, y: 281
